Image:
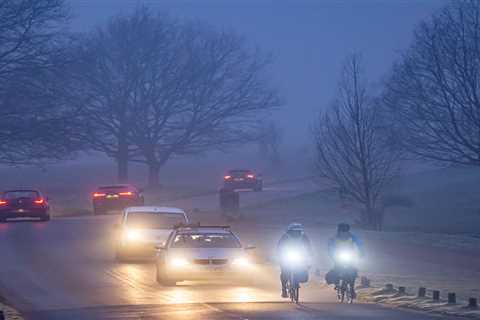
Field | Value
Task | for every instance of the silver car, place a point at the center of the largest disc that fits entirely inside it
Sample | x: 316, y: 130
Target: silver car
x: 203, y: 253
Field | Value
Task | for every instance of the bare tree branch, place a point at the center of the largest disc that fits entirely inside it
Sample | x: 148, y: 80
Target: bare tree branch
x: 433, y: 93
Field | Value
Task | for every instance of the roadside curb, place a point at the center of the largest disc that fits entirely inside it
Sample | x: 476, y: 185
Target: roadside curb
x: 400, y: 297
x: 9, y: 313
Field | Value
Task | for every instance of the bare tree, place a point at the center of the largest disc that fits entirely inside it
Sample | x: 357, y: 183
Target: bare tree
x: 352, y: 148
x: 33, y: 122
x: 433, y: 93
x: 27, y: 29
x: 172, y: 88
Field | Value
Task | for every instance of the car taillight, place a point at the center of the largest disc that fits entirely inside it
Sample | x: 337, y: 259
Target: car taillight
x: 227, y: 177
x: 127, y: 193
x: 40, y: 201
x: 3, y: 202
x: 250, y: 176
x: 99, y: 195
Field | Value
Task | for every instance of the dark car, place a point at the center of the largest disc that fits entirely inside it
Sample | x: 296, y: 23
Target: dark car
x: 242, y: 179
x: 23, y: 204
x: 116, y: 198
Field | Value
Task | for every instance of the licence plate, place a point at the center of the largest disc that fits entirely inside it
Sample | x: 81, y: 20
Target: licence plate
x: 238, y: 179
x: 110, y: 196
x: 21, y: 210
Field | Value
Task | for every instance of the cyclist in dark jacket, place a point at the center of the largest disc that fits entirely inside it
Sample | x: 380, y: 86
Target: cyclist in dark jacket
x: 294, y: 237
x: 343, y: 240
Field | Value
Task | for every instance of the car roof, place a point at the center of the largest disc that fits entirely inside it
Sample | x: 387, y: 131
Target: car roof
x: 240, y: 170
x: 116, y: 186
x: 154, y: 209
x: 21, y: 190
x: 204, y: 230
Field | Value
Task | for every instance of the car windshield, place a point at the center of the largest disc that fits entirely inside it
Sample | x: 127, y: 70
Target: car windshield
x: 20, y: 194
x: 115, y: 188
x: 240, y: 173
x: 154, y: 220
x: 200, y: 240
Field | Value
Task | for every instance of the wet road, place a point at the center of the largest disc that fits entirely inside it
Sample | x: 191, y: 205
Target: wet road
x: 64, y: 269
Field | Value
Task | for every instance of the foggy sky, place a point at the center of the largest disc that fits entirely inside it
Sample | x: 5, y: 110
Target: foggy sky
x: 308, y: 39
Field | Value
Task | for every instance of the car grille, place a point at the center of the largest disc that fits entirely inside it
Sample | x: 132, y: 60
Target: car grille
x: 210, y: 261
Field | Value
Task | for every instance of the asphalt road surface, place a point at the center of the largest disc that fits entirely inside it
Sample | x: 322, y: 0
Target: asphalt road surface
x: 64, y: 269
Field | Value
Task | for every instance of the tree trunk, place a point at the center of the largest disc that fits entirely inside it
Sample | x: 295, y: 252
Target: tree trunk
x: 122, y: 170
x: 122, y: 163
x: 153, y: 174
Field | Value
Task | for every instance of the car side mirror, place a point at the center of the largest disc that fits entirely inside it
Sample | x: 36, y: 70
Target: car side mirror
x: 160, y: 247
x: 250, y: 248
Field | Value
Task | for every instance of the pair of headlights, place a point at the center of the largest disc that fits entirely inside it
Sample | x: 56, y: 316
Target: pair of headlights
x: 179, y: 262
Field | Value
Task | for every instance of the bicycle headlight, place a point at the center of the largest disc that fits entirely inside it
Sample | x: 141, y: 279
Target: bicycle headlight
x: 345, y: 257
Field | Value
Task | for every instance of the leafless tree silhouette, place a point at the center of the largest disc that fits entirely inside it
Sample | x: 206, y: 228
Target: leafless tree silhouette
x: 352, y: 148
x: 433, y: 93
x: 160, y: 88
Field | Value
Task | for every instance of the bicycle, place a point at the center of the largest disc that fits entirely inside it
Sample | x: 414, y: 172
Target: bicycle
x: 346, y: 290
x: 293, y: 288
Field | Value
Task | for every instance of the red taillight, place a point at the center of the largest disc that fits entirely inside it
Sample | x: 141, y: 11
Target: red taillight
x: 98, y: 195
x: 227, y: 177
x: 127, y: 193
x: 3, y: 202
x: 40, y: 201
x: 250, y: 176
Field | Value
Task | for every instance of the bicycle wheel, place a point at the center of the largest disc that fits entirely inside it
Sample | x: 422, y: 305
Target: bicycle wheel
x: 297, y: 293
x: 343, y: 290
x: 351, y: 292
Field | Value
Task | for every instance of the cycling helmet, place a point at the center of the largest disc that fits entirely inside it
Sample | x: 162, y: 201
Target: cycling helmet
x: 343, y: 227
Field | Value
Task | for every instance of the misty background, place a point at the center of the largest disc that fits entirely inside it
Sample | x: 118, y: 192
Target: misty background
x: 308, y: 42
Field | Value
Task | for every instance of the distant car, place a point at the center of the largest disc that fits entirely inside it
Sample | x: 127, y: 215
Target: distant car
x: 116, y: 198
x: 143, y: 228
x: 24, y: 204
x: 243, y: 179
x: 202, y: 253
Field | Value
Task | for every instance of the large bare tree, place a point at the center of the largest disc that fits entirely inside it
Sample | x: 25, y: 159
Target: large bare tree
x: 33, y: 122
x: 352, y: 148
x: 433, y: 93
x: 160, y: 88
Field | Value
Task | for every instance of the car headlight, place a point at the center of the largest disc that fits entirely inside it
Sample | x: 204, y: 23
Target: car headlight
x: 178, y: 262
x: 241, y: 262
x: 133, y: 235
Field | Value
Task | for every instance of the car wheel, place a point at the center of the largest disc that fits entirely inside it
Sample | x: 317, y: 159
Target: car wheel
x: 45, y: 218
x: 3, y: 220
x: 163, y: 279
x: 97, y: 211
x: 120, y: 256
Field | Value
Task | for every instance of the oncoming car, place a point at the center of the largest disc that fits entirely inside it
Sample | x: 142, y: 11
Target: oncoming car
x: 143, y: 228
x: 242, y: 179
x: 203, y: 253
x: 115, y: 197
x: 24, y: 204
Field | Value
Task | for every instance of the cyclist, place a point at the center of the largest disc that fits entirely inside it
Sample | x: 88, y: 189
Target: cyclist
x: 344, y: 240
x: 295, y: 237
